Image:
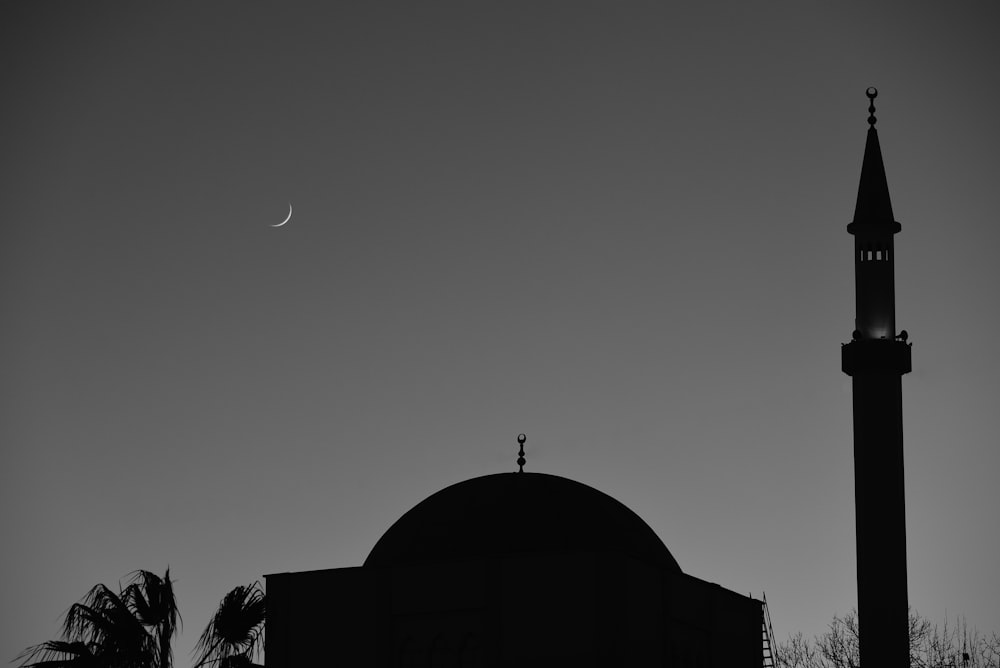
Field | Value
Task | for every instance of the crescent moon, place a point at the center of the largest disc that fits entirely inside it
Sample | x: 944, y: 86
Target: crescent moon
x: 286, y: 219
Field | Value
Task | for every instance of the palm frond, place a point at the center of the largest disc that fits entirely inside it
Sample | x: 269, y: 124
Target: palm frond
x: 58, y: 654
x: 151, y: 599
x: 235, y: 634
x: 95, y: 615
x: 103, y: 620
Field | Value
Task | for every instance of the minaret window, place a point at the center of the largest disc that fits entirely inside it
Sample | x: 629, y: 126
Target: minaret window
x: 878, y: 255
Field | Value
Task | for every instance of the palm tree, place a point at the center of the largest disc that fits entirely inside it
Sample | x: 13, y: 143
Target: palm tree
x: 131, y: 629
x: 235, y: 635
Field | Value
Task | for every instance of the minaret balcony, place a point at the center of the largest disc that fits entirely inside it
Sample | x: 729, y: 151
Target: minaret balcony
x: 873, y: 229
x: 873, y: 356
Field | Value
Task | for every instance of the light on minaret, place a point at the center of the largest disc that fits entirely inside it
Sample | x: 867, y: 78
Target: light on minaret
x: 876, y: 359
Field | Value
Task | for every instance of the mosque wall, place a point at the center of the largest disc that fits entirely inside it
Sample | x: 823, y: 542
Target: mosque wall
x: 548, y: 609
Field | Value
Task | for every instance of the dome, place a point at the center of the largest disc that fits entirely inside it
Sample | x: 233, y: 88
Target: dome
x: 510, y: 513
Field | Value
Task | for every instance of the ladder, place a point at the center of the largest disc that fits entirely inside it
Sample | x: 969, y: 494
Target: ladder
x: 767, y: 636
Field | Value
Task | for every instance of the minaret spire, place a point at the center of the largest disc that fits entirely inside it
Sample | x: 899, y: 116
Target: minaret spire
x: 876, y: 359
x: 873, y: 207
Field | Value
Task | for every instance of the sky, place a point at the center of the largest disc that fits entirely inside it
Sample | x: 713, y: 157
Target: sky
x: 616, y: 227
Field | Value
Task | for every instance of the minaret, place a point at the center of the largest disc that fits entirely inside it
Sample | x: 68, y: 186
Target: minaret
x: 876, y: 360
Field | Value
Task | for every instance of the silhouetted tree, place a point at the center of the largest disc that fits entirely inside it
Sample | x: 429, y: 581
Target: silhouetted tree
x: 133, y: 628
x: 930, y: 646
x: 235, y: 635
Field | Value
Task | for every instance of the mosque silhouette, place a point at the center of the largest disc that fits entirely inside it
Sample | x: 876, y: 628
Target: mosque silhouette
x: 531, y: 569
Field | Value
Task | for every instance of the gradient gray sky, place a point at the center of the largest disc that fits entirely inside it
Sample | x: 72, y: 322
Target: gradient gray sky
x: 617, y: 227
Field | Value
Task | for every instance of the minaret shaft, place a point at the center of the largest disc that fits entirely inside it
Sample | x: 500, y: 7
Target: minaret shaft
x: 880, y: 520
x: 876, y: 359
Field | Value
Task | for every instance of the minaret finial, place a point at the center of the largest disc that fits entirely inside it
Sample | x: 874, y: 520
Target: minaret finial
x: 872, y: 93
x: 521, y: 438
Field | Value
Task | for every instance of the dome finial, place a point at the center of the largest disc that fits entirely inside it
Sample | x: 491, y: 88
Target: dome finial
x: 521, y: 438
x: 872, y: 93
